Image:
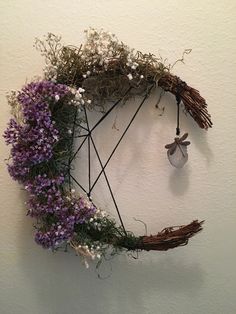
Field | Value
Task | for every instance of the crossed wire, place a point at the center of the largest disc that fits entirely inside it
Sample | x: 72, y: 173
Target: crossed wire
x: 90, y: 141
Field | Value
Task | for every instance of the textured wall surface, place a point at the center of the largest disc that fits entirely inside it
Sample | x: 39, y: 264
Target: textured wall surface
x: 198, y: 278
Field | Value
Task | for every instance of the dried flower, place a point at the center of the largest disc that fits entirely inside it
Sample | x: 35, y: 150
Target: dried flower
x: 130, y: 76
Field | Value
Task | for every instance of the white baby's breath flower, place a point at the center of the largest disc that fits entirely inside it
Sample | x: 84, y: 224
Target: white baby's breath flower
x: 57, y: 97
x: 78, y: 95
x: 81, y: 90
x: 130, y: 76
x: 72, y: 90
x: 86, y: 264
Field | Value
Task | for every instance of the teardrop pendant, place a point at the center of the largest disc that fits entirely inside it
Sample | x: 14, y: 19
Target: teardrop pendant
x: 177, y: 151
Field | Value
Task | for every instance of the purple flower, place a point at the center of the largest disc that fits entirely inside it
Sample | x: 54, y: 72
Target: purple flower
x: 67, y: 214
x: 33, y: 140
x: 57, y: 211
x: 52, y: 238
x: 47, y: 199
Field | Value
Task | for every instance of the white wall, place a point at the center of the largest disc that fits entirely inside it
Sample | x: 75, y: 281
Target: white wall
x: 198, y: 278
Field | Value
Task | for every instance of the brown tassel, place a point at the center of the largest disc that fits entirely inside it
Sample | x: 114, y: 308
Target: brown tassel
x: 194, y: 103
x: 170, y: 238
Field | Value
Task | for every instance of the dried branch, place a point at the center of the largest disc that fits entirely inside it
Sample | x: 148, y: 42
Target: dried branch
x: 170, y: 238
x: 194, y: 103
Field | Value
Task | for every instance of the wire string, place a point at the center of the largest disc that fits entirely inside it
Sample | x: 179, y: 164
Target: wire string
x: 90, y: 142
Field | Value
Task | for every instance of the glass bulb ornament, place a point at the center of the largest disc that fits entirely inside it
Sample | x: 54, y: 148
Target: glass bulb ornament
x: 177, y: 151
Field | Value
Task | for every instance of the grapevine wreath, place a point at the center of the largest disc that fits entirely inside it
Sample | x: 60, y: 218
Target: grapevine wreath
x: 49, y: 113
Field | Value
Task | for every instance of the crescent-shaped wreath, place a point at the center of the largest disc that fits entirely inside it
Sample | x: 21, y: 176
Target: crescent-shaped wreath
x: 48, y: 114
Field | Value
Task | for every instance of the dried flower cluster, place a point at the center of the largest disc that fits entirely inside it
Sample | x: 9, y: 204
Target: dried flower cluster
x: 33, y: 140
x: 41, y: 132
x: 103, y: 66
x: 106, y: 68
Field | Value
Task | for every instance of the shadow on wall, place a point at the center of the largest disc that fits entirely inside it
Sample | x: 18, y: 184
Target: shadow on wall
x: 59, y: 284
x: 200, y: 140
x: 179, y: 181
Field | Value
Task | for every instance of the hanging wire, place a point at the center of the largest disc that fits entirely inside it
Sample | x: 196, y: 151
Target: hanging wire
x: 178, y: 100
x: 180, y: 87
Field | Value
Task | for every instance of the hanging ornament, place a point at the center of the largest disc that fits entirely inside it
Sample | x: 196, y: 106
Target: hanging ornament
x: 177, y: 151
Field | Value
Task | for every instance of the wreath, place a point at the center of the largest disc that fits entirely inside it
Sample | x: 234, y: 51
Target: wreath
x: 48, y: 114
